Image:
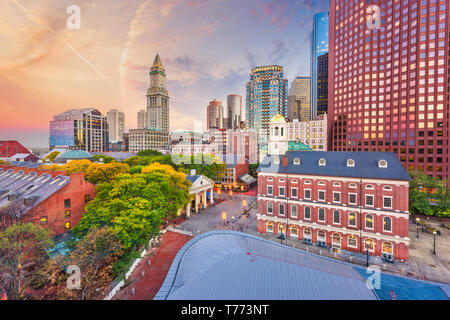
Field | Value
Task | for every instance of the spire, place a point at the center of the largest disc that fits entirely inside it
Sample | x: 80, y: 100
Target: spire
x: 157, y: 63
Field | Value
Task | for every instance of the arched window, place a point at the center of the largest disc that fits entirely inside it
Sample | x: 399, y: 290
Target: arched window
x: 352, y: 219
x: 321, y: 235
x: 307, y: 233
x: 294, y: 211
x: 294, y: 231
x: 369, y: 221
x: 336, y: 240
x: 281, y: 212
x: 282, y: 131
x: 336, y: 184
x: 387, y: 188
x: 336, y: 217
x: 352, y: 242
x: 387, y: 224
x: 387, y: 247
x: 281, y: 228
x: 369, y: 244
x: 307, y: 213
x: 307, y: 182
x: 269, y: 207
x: 276, y: 131
x: 352, y: 185
x: 369, y: 187
x: 321, y: 214
x: 321, y: 183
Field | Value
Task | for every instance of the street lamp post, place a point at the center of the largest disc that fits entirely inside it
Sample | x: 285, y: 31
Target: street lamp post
x: 367, y: 252
x: 232, y: 222
x: 244, y: 204
x: 417, y: 226
x: 281, y: 236
x: 434, y: 242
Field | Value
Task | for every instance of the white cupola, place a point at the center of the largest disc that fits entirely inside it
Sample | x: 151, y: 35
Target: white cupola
x: 278, y: 136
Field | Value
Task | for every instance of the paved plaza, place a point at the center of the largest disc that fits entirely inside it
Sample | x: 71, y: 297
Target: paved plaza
x: 211, y: 218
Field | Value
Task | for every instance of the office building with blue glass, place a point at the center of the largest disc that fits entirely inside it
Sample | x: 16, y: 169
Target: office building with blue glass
x: 80, y: 129
x: 267, y: 93
x: 319, y: 47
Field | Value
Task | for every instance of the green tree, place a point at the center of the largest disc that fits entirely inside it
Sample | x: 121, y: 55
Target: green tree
x: 94, y: 255
x: 106, y: 159
x: 149, y: 153
x: 427, y: 195
x: 51, y: 156
x: 98, y: 173
x: 22, y: 253
x: 133, y: 205
x: 252, y: 169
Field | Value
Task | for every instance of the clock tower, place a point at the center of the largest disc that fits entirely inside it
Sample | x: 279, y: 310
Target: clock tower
x: 158, y: 98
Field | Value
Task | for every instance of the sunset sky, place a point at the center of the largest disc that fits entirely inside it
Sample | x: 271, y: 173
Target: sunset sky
x: 208, y: 48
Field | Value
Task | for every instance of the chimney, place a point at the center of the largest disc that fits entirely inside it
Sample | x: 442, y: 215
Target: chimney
x: 193, y: 172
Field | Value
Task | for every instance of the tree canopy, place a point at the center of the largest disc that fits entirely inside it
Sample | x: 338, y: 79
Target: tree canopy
x: 22, y: 252
x: 93, y: 172
x: 133, y: 205
x: 50, y: 157
x: 427, y: 195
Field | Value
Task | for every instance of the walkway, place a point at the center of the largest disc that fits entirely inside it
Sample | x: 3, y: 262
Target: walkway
x: 146, y: 280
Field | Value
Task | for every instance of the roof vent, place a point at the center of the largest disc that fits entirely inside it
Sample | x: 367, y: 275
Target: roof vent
x: 382, y: 164
x: 350, y: 163
x: 322, y: 162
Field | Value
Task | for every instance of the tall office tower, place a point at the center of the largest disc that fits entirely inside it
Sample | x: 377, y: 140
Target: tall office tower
x: 80, y: 129
x: 214, y: 114
x: 141, y: 119
x: 322, y: 84
x: 234, y: 106
x: 300, y: 104
x: 116, y: 125
x: 266, y: 97
x: 319, y: 46
x: 388, y: 85
x: 158, y: 98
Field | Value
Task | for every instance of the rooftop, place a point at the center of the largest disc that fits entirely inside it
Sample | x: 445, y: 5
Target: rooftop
x: 73, y: 155
x: 223, y: 265
x: 18, y: 186
x: 338, y: 164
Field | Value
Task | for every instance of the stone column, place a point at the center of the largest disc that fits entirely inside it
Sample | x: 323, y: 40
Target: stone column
x: 196, y: 203
x: 204, y: 199
x: 211, y: 196
x: 188, y: 209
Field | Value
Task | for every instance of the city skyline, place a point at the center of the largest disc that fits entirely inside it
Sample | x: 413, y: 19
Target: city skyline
x: 108, y: 67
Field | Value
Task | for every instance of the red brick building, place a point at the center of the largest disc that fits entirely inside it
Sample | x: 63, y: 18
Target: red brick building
x: 342, y: 200
x: 389, y: 87
x: 10, y: 148
x: 48, y: 198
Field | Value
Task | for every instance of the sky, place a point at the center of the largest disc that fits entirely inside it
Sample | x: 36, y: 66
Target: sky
x: 208, y: 48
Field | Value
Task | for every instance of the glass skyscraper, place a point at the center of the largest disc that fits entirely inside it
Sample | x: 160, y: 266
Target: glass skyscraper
x: 389, y: 85
x: 80, y: 129
x: 319, y: 47
x: 266, y: 97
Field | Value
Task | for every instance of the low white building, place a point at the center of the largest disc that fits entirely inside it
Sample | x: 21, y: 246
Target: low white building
x: 202, y: 191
